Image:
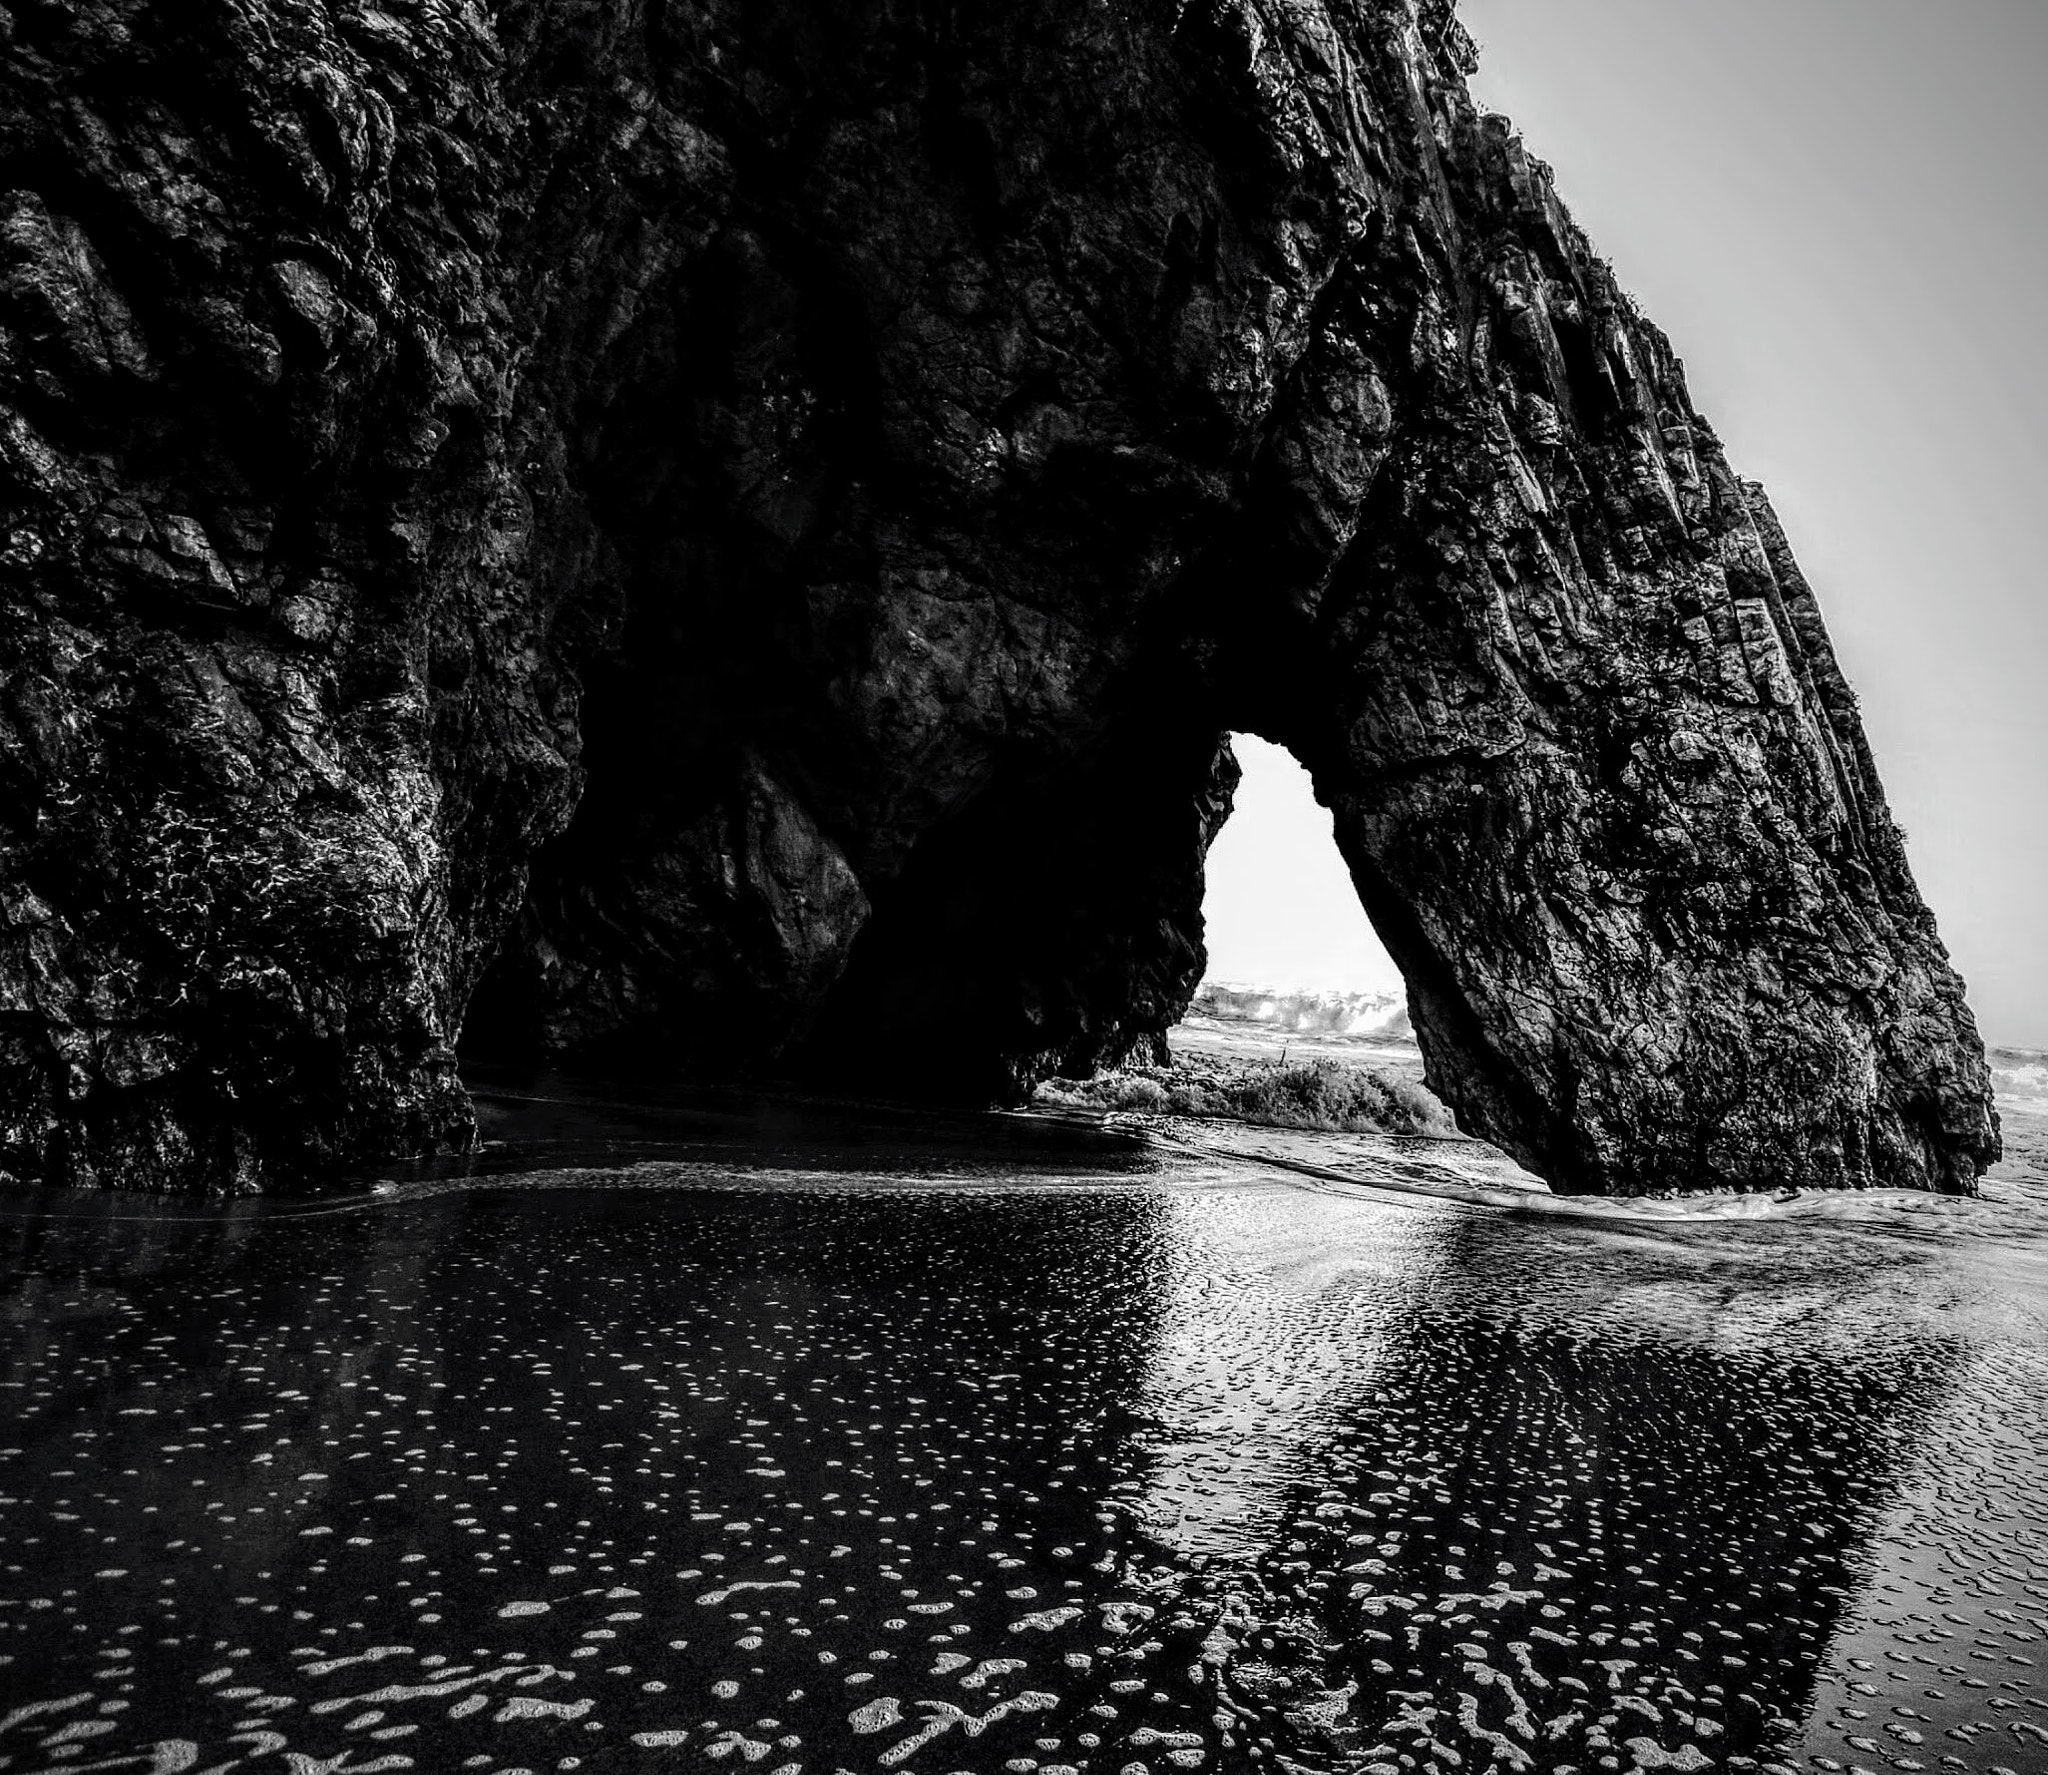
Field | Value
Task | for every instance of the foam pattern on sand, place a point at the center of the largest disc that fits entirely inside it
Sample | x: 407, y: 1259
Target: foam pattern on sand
x: 1191, y: 1467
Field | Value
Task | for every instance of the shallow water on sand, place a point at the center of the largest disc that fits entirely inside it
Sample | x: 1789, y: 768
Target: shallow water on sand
x: 864, y: 1443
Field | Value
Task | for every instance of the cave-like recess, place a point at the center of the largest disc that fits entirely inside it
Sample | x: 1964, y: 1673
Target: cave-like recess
x: 724, y: 539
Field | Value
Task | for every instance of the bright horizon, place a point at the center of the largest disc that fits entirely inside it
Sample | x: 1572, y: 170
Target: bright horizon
x: 1833, y: 207
x: 1280, y: 907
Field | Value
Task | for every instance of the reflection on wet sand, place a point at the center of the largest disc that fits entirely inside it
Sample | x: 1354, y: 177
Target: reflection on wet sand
x: 1048, y: 1452
x: 1535, y: 1498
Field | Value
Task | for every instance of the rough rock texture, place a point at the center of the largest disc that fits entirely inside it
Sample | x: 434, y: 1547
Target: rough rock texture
x: 759, y: 515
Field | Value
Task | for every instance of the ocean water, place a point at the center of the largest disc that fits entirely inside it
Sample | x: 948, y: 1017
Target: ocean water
x: 791, y: 1440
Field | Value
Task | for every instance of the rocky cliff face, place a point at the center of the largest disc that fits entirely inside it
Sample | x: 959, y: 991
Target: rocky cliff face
x: 732, y: 533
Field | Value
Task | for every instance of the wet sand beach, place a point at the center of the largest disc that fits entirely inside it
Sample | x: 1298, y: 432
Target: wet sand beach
x: 791, y: 1441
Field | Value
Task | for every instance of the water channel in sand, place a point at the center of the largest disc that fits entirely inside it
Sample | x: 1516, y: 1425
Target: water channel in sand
x: 831, y: 1442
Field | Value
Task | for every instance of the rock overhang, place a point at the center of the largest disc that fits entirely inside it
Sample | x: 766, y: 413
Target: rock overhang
x: 737, y: 537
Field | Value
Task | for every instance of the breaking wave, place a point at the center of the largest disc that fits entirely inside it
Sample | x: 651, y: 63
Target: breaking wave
x: 1382, y: 1015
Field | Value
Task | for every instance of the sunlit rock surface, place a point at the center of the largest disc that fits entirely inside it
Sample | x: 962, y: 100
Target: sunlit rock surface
x: 757, y: 518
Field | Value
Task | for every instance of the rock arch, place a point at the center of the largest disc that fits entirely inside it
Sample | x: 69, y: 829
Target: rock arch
x: 757, y: 517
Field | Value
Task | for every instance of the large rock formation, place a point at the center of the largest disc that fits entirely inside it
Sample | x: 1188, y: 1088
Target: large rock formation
x: 757, y: 517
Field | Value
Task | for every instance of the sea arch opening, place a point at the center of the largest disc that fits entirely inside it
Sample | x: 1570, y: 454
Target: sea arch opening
x: 1294, y: 967
x: 1279, y: 909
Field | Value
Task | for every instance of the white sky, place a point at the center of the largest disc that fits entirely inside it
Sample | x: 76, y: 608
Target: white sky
x: 1838, y: 209
x: 1280, y: 909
